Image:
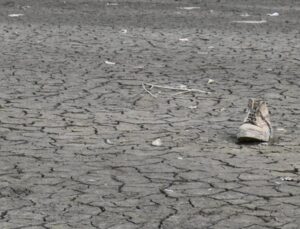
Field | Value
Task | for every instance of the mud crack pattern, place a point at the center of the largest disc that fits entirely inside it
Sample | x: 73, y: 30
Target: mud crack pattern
x: 76, y: 125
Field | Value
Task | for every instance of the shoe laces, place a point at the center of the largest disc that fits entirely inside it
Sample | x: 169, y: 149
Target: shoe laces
x: 251, y: 118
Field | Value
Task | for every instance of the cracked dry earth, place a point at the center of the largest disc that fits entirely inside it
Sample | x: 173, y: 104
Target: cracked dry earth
x: 76, y: 130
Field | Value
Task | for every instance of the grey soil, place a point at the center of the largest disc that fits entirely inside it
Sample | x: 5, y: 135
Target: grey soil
x: 76, y: 132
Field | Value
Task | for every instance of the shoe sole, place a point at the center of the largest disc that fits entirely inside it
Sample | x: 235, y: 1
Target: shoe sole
x: 253, y: 136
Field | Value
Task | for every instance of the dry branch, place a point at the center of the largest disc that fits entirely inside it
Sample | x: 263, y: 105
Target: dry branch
x: 172, y: 88
x: 149, y: 92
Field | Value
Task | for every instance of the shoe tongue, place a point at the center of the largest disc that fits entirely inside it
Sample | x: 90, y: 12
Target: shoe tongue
x: 253, y: 104
x: 256, y: 104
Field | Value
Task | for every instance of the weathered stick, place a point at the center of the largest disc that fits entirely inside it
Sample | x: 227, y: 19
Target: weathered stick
x: 174, y: 88
x: 149, y: 92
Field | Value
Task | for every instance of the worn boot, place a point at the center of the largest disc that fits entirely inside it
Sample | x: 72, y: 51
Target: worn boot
x: 257, y: 125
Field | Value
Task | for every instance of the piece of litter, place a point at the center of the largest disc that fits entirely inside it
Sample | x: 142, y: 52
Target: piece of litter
x: 245, y: 15
x: 192, y: 107
x: 210, y: 81
x: 108, y: 141
x: 286, y: 178
x: 180, y: 158
x: 210, y: 47
x: 15, y: 15
x: 183, y: 39
x: 124, y: 31
x: 250, y: 22
x: 168, y: 190
x: 276, y: 182
x: 281, y: 129
x: 109, y: 62
x: 273, y: 14
x: 182, y: 86
x: 157, y: 142
x: 222, y: 109
x: 209, y: 189
x: 177, y: 88
x: 112, y: 4
x: 190, y: 7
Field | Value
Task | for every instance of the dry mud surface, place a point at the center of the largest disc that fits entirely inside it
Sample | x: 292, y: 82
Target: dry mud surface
x: 76, y: 130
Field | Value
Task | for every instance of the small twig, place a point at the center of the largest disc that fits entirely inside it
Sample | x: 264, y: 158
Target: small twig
x: 180, y: 93
x: 149, y: 92
x: 175, y: 88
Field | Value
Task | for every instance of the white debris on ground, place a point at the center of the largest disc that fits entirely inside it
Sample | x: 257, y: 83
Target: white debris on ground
x: 250, y: 22
x: 189, y: 7
x: 157, y: 142
x: 112, y: 4
x: 275, y: 14
x: 245, y: 15
x: 183, y: 87
x: 210, y: 81
x: 109, y: 62
x: 286, y: 178
x: 183, y: 39
x: 15, y: 15
x: 108, y: 141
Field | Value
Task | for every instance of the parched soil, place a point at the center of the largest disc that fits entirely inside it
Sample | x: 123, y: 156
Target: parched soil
x: 78, y: 116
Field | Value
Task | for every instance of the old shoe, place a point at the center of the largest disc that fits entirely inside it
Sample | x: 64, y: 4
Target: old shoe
x: 257, y: 125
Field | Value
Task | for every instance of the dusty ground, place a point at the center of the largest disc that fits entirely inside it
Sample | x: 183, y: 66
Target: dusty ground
x: 76, y: 132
